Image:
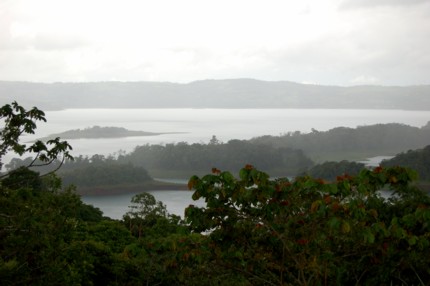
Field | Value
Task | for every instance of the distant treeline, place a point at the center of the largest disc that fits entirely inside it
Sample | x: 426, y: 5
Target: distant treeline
x: 419, y: 160
x: 331, y: 170
x: 228, y: 156
x: 352, y: 143
x: 89, y: 172
x: 105, y: 174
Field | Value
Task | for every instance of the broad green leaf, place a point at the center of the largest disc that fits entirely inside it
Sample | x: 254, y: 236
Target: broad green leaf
x: 243, y: 174
x: 346, y: 228
x: 334, y: 223
x: 331, y: 189
x: 369, y: 237
x: 192, y: 182
x: 196, y: 195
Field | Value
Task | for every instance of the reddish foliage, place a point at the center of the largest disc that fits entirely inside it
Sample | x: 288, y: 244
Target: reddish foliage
x: 285, y: 203
x: 302, y: 241
x: 344, y: 177
x: 249, y: 167
x: 378, y: 170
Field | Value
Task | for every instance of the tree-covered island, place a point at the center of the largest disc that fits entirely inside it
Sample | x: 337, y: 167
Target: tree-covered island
x: 102, y: 132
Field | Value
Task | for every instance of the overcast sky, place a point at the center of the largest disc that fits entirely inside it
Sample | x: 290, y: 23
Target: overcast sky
x: 328, y: 42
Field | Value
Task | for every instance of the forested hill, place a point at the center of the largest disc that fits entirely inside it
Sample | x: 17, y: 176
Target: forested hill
x: 233, y: 93
x: 419, y: 160
x: 352, y: 143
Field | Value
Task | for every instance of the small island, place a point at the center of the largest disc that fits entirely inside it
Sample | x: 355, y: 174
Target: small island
x: 97, y: 132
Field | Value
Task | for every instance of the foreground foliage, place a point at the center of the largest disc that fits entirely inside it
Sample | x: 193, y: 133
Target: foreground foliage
x: 48, y: 236
x: 311, y: 232
x: 17, y: 121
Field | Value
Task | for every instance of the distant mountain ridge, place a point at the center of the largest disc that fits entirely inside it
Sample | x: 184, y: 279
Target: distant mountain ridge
x: 229, y: 93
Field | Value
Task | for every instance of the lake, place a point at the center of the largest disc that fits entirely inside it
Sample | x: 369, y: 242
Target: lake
x: 116, y: 206
x: 198, y: 126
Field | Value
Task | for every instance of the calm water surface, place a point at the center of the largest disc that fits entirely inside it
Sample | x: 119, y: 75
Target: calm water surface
x: 116, y: 206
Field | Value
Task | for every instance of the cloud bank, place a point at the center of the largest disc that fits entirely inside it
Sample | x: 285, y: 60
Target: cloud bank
x: 332, y: 43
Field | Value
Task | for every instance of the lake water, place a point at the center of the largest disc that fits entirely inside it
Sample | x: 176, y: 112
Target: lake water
x: 198, y: 125
x: 116, y: 206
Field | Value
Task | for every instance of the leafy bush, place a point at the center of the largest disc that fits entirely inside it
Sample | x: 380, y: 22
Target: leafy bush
x: 309, y: 232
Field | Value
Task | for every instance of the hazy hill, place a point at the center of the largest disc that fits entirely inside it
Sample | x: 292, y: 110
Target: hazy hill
x: 342, y: 143
x: 419, y: 160
x: 233, y: 93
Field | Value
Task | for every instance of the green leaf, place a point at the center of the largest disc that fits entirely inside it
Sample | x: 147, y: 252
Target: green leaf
x: 331, y: 189
x: 196, y: 195
x: 243, y: 174
x: 334, y: 223
x: 346, y: 228
x: 369, y: 237
x: 426, y: 215
x: 227, y: 177
x: 193, y: 182
x: 412, y: 240
x: 315, y: 205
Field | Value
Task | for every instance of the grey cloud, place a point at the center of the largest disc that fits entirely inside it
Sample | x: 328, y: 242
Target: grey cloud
x: 354, y: 4
x: 391, y: 61
x: 50, y: 42
x: 391, y: 47
x: 34, y: 66
x: 41, y: 43
x: 5, y: 24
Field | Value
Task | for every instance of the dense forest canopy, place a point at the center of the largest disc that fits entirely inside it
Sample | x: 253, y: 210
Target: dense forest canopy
x: 229, y: 156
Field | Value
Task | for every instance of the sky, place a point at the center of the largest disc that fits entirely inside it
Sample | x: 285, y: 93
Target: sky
x: 324, y: 42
